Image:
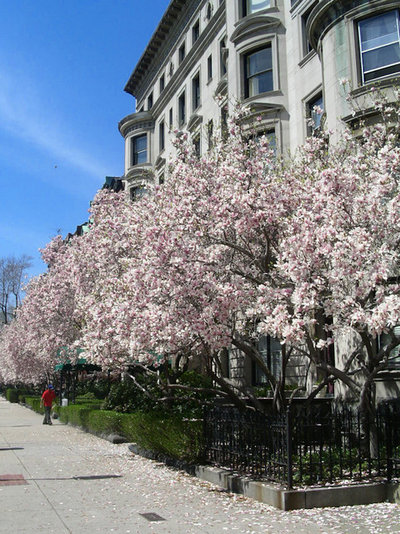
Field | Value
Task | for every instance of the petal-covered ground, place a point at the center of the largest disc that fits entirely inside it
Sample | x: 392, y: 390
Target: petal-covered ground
x: 78, y: 483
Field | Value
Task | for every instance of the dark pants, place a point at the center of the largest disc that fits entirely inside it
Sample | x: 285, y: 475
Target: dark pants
x: 47, y: 420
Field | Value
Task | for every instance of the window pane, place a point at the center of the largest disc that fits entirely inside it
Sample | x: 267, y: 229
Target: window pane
x: 379, y: 31
x: 139, y: 149
x: 140, y: 143
x: 261, y: 83
x: 259, y: 61
x: 395, y: 353
x: 141, y: 157
x: 272, y: 140
x: 315, y: 110
x: 381, y: 57
x: 256, y: 5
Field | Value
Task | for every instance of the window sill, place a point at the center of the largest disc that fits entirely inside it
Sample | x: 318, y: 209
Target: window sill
x: 308, y: 57
x: 274, y: 92
x: 379, y: 83
x: 265, y: 11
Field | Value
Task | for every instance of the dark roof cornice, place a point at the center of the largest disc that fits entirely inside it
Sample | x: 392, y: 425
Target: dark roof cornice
x: 158, y: 38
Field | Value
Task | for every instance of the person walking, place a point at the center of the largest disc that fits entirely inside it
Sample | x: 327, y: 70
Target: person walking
x: 47, y: 401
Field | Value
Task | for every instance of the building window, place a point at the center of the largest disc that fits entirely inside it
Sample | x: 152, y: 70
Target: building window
x: 196, y: 92
x: 139, y: 149
x: 209, y: 67
x: 304, y: 18
x: 209, y: 11
x: 258, y: 72
x: 379, y: 41
x: 149, y: 101
x: 182, y: 109
x: 270, y: 351
x: 394, y: 355
x: 271, y: 138
x: 162, y: 83
x: 223, y: 55
x: 196, y: 144
x: 252, y: 6
x: 138, y: 192
x: 171, y: 118
x: 161, y: 137
x: 181, y: 53
x: 195, y: 31
x: 210, y: 134
x: 224, y: 122
x: 314, y: 111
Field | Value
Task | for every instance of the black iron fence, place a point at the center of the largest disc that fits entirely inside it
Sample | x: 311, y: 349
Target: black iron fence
x: 305, y: 447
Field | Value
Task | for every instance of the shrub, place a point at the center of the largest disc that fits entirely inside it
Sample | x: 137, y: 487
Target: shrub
x: 34, y: 403
x: 169, y: 435
x: 126, y: 397
x: 99, y: 387
x: 104, y: 422
x: 78, y: 415
x: 88, y: 400
x: 12, y: 394
x: 74, y: 414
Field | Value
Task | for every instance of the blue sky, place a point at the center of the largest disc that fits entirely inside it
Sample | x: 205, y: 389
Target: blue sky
x: 63, y: 68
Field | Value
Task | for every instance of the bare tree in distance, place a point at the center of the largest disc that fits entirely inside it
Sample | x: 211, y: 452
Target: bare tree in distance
x: 13, y: 271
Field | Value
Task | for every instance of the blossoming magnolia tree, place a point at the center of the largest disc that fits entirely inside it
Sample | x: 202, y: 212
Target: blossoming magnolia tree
x: 238, y: 244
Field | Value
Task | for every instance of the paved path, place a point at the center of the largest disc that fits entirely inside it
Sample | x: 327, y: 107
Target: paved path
x: 62, y: 480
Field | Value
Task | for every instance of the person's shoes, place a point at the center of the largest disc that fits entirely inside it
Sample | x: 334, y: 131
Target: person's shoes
x: 45, y: 423
x: 49, y: 423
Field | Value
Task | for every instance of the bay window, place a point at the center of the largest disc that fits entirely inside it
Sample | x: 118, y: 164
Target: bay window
x: 139, y: 149
x: 379, y: 42
x: 258, y: 71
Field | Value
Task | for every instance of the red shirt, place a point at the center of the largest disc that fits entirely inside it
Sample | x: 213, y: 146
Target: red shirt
x: 48, y: 397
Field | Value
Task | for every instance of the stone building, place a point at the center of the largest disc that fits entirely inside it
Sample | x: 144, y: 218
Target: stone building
x: 284, y: 57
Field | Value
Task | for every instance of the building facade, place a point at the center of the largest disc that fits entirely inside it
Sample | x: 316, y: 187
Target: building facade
x: 286, y: 58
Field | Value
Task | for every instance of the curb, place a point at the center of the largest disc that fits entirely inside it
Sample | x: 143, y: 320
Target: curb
x: 276, y: 495
x: 284, y: 499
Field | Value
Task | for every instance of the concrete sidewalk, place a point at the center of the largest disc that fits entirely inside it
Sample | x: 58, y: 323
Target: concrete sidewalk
x: 62, y: 480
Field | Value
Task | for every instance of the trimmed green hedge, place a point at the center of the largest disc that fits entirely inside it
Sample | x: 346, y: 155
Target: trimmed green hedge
x: 164, y: 434
x: 105, y: 422
x: 75, y: 414
x: 34, y: 403
x: 169, y: 435
x: 12, y: 394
